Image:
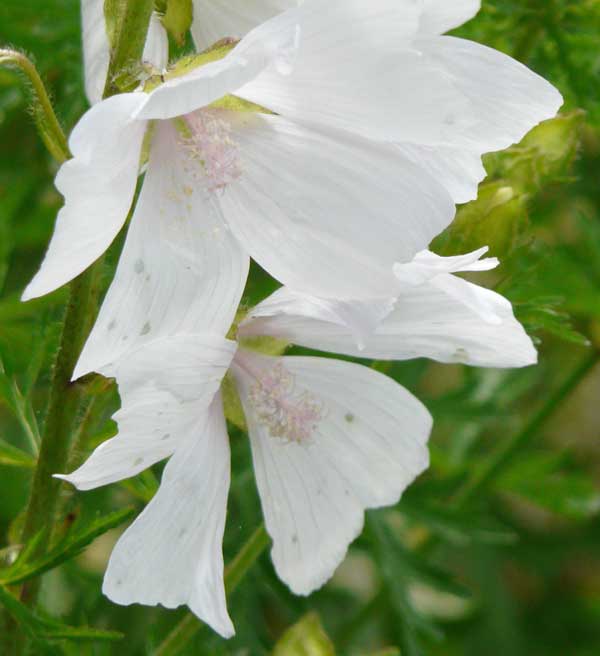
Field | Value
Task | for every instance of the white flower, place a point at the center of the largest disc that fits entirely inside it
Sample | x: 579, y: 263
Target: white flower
x: 329, y: 438
x: 318, y: 209
x: 323, y: 194
x: 444, y: 101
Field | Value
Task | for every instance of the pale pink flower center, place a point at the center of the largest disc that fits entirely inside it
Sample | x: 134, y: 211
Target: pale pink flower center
x: 288, y: 414
x: 211, y: 146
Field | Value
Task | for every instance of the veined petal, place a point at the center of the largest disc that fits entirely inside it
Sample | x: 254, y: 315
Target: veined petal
x: 357, y: 70
x: 98, y: 185
x: 427, y: 321
x: 156, y: 48
x: 181, y: 270
x: 426, y: 265
x: 329, y: 213
x: 329, y: 439
x: 440, y: 16
x: 459, y: 170
x: 165, y: 387
x: 506, y: 99
x: 271, y: 45
x: 172, y: 555
x: 95, y: 48
x: 218, y: 19
x: 361, y: 318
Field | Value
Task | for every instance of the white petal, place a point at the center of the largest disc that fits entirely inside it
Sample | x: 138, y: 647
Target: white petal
x: 368, y: 445
x: 329, y: 213
x: 361, y: 318
x: 172, y: 555
x: 357, y: 70
x: 271, y: 45
x: 156, y: 48
x: 165, y: 386
x: 440, y: 16
x: 427, y: 265
x: 427, y: 322
x: 98, y: 185
x: 460, y: 171
x: 180, y: 270
x: 217, y: 19
x: 95, y: 48
x: 506, y: 99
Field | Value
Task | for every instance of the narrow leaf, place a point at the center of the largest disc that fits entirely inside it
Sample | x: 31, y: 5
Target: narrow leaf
x: 66, y: 549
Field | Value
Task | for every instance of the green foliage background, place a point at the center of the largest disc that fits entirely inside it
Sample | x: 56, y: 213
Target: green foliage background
x: 496, y: 550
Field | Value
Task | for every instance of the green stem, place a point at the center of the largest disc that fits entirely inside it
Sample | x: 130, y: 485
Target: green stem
x: 50, y: 129
x: 127, y: 24
x: 507, y: 450
x: 66, y: 397
x: 189, y: 626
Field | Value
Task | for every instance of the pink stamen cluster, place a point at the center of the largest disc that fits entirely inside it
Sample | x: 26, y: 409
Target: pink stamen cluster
x: 211, y: 145
x: 288, y: 415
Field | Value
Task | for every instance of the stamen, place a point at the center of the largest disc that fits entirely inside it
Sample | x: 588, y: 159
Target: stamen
x: 289, y: 415
x: 211, y: 146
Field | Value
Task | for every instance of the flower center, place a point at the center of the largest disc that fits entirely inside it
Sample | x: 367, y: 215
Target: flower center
x: 210, y: 145
x: 288, y: 414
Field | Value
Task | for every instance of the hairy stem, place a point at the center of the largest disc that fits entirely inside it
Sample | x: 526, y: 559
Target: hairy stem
x: 130, y: 27
x: 49, y: 128
x: 189, y: 626
x: 65, y: 397
x: 127, y: 24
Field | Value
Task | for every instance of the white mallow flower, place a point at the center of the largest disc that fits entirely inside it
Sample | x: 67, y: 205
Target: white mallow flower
x: 329, y: 438
x: 319, y: 192
x: 324, y: 211
x: 442, y: 100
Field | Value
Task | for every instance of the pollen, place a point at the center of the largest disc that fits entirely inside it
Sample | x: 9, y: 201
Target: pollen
x: 289, y: 415
x: 209, y: 144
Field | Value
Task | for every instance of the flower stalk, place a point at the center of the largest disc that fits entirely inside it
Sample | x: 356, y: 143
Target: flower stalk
x: 48, y: 125
x: 66, y: 396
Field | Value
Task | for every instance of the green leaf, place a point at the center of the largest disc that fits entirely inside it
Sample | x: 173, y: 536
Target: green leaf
x: 10, y: 456
x: 305, y: 638
x: 69, y: 547
x: 458, y: 527
x: 546, y: 481
x: 178, y: 19
x: 396, y: 577
x: 21, y: 408
x: 47, y: 629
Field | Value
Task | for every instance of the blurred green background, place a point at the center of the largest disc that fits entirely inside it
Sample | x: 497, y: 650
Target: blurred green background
x: 496, y: 550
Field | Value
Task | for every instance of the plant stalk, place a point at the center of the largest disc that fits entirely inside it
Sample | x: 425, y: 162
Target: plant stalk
x: 84, y: 292
x: 50, y: 129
